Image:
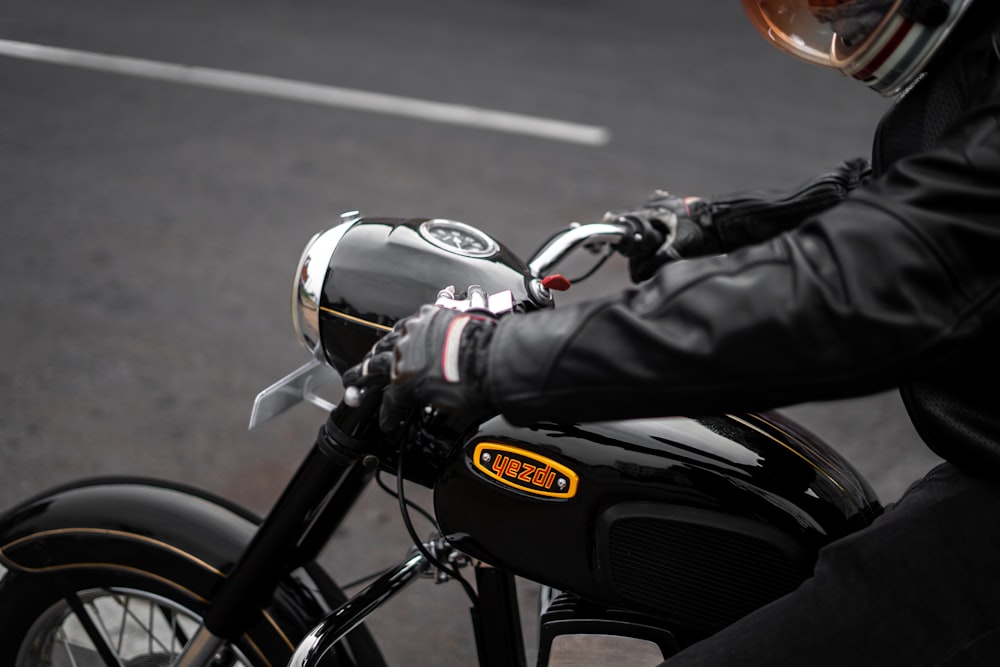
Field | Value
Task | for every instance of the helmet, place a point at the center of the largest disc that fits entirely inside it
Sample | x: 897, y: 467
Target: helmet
x: 884, y: 43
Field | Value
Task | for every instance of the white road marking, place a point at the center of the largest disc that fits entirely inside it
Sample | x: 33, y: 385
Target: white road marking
x: 312, y: 93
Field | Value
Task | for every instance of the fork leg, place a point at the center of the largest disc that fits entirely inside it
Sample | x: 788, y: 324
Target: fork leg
x: 200, y: 651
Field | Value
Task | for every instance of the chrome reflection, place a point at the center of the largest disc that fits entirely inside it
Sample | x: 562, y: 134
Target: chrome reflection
x: 309, y: 278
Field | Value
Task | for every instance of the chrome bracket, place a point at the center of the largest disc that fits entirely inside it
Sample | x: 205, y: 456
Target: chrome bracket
x: 298, y: 386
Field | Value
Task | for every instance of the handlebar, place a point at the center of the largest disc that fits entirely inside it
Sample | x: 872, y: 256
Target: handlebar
x: 554, y: 251
x: 564, y: 243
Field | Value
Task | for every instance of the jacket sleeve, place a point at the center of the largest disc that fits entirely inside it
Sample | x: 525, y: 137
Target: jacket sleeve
x: 742, y: 219
x: 888, y: 285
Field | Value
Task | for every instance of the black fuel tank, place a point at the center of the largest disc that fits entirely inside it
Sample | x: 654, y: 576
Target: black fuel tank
x: 697, y: 521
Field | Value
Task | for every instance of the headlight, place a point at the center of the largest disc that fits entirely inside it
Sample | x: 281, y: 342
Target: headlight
x: 309, y: 278
x: 355, y: 281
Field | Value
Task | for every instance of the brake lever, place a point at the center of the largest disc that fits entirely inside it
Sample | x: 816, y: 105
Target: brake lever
x: 476, y: 298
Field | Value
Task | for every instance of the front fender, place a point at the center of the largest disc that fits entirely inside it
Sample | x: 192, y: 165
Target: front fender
x: 155, y: 526
x: 151, y: 526
x: 137, y: 520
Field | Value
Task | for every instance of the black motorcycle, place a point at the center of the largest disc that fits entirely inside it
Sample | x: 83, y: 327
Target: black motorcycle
x: 659, y: 531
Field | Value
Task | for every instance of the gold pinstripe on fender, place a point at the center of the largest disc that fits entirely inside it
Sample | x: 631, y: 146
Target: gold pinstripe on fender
x: 146, y: 573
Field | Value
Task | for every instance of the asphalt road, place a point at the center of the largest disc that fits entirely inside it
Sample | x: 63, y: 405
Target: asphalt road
x: 149, y: 229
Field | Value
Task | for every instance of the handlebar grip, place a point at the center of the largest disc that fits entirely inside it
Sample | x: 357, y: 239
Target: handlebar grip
x: 639, y: 237
x: 357, y: 413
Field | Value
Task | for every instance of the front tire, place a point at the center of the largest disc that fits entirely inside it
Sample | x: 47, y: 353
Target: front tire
x: 160, y: 547
x: 144, y: 619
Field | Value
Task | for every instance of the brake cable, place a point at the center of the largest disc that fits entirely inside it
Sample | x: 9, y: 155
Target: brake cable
x: 412, y: 505
x: 405, y: 513
x: 592, y: 270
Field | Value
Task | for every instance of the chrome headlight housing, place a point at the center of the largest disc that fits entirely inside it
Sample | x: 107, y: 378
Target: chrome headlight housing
x: 356, y: 280
x: 310, y: 276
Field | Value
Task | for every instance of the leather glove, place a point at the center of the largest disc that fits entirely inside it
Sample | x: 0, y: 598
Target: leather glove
x: 667, y: 228
x: 436, y: 357
x: 692, y: 227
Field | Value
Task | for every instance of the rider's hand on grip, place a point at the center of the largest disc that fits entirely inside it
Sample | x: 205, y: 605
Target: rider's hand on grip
x: 667, y: 228
x: 436, y: 357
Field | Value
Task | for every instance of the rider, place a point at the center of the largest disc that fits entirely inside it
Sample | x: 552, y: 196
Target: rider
x: 857, y: 283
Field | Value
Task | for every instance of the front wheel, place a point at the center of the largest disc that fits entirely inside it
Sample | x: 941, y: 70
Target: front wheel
x: 85, y: 618
x: 132, y: 618
x: 92, y: 622
x: 120, y: 572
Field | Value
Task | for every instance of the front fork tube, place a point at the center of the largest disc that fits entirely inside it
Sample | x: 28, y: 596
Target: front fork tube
x: 200, y: 650
x: 325, y: 487
x: 334, y: 474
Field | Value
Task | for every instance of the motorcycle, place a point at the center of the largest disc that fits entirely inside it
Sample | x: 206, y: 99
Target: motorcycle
x: 658, y: 531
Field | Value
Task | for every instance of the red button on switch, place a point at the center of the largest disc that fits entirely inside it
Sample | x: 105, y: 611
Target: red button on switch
x: 556, y: 282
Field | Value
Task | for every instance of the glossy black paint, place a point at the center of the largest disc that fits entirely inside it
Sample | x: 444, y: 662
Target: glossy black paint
x: 165, y: 516
x: 757, y: 472
x: 497, y: 621
x: 155, y: 526
x: 384, y: 270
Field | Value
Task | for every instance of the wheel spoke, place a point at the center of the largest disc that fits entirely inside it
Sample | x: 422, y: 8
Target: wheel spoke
x: 104, y: 649
x: 61, y: 637
x: 149, y: 643
x: 121, y: 621
x: 129, y: 614
x: 177, y: 634
x: 114, y: 627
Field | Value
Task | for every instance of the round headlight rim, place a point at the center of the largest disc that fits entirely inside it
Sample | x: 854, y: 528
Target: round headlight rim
x: 310, y: 278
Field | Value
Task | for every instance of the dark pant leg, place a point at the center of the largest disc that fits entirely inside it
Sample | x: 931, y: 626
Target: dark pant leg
x: 919, y: 587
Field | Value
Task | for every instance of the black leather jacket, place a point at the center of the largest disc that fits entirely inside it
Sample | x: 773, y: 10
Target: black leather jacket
x: 897, y: 286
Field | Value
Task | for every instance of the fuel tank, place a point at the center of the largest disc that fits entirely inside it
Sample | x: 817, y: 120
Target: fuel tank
x: 697, y: 521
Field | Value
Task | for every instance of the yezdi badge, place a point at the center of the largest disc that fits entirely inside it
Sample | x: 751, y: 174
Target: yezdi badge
x: 525, y: 471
